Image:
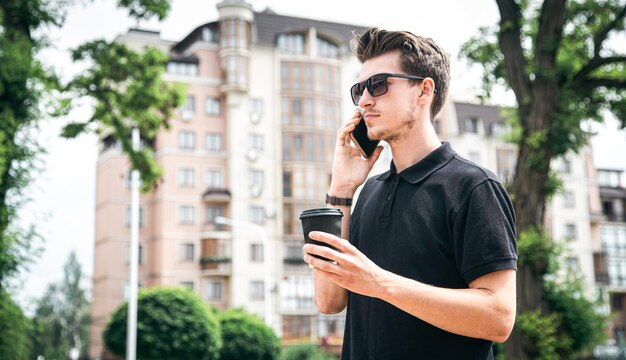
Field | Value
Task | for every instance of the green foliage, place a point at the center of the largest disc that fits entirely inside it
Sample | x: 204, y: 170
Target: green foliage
x: 541, y: 330
x: 142, y: 9
x: 245, y: 336
x: 61, y: 319
x: 15, y: 328
x: 129, y: 92
x: 589, y: 74
x: 584, y: 326
x: 171, y: 324
x: 304, y: 352
x: 538, y: 251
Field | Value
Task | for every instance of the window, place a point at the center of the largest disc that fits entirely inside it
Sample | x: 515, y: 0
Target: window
x: 330, y: 325
x: 566, y: 166
x: 213, y: 106
x: 570, y: 231
x: 129, y: 179
x: 437, y: 126
x: 471, y: 125
x: 186, y: 285
x: 213, y: 142
x: 572, y: 265
x: 140, y: 254
x: 256, y: 178
x: 255, y: 107
x: 327, y: 49
x: 188, y: 252
x: 214, y: 178
x: 297, y: 293
x: 211, y: 212
x: 569, y: 200
x: 291, y: 43
x: 186, y: 140
x: 189, y: 108
x: 474, y: 157
x: 256, y: 252
x: 609, y: 178
x: 257, y: 215
x: 186, y: 177
x: 255, y: 141
x: 214, y: 290
x: 127, y: 216
x: 186, y: 215
x: 181, y: 68
x: 257, y: 290
x: 505, y: 162
x: 287, y: 183
x: 296, y: 326
x: 208, y: 35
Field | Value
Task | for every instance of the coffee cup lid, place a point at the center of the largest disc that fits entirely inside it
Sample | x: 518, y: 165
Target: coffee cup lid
x: 321, y: 212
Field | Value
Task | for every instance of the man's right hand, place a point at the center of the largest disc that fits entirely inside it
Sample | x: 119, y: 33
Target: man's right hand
x: 349, y: 169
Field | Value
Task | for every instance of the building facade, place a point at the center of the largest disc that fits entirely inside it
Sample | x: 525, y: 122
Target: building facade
x: 253, y: 143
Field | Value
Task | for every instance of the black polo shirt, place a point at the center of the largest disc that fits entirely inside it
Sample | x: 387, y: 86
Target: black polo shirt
x: 444, y: 221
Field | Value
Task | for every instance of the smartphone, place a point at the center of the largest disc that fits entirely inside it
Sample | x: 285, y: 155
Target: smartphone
x: 359, y: 136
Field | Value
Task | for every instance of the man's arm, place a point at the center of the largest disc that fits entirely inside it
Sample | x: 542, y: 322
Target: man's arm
x: 349, y: 171
x: 485, y: 310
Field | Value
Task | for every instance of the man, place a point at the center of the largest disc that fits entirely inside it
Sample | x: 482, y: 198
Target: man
x: 429, y: 268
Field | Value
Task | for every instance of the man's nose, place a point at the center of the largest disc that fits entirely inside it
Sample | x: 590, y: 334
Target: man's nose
x: 366, y: 100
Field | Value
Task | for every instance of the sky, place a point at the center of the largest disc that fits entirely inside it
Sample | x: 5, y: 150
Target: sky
x: 62, y: 202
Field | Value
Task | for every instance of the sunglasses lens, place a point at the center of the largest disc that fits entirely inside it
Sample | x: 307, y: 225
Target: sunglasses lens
x: 378, y: 85
x: 357, y: 92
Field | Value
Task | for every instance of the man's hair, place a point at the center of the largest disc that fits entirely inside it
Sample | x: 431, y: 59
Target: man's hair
x: 419, y: 56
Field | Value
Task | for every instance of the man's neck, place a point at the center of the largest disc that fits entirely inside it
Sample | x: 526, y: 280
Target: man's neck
x: 409, y: 150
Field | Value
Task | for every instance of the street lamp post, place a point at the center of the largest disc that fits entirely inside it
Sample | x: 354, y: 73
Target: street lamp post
x: 131, y: 336
x: 266, y: 258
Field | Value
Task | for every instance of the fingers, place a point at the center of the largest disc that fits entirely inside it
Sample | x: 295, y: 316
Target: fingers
x: 340, y: 244
x: 347, y: 128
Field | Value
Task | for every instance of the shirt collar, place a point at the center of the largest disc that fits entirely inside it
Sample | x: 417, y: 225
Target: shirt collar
x: 423, y: 168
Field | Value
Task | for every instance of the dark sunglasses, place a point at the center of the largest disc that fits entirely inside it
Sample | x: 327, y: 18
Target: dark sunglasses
x: 376, y: 85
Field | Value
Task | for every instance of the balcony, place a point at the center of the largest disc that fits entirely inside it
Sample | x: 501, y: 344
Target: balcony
x: 216, y: 196
x: 216, y: 257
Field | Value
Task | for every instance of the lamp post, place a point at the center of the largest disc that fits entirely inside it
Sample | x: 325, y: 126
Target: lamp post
x: 260, y: 232
x: 131, y: 338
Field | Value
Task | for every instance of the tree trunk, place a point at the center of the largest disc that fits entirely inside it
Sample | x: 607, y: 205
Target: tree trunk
x: 529, y: 191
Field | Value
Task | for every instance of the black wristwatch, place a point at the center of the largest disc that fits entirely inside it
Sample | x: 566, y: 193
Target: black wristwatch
x: 333, y: 200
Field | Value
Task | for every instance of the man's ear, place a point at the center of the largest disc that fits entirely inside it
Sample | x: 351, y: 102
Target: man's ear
x: 428, y: 87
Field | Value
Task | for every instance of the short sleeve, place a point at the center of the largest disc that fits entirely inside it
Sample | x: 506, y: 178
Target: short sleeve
x: 484, y: 232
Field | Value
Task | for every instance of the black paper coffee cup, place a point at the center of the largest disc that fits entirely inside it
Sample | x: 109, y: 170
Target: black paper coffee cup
x: 321, y: 219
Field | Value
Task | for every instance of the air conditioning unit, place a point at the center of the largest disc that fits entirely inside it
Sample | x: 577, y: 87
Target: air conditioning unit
x: 252, y: 154
x: 187, y: 115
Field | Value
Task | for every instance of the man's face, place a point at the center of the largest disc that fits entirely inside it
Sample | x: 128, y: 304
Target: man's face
x: 391, y: 115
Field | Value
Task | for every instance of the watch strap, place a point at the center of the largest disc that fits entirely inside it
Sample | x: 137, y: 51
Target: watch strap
x: 333, y: 200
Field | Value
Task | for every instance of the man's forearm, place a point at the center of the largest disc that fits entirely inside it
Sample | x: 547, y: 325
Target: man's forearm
x: 475, y: 312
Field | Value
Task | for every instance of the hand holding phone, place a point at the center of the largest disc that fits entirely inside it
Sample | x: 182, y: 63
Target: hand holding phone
x: 359, y: 136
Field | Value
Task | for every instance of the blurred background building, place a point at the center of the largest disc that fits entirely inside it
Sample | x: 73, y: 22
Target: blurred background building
x: 254, y: 143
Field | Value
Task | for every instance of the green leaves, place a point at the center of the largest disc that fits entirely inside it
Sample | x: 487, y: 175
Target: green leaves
x: 171, y: 324
x: 129, y: 92
x: 246, y: 337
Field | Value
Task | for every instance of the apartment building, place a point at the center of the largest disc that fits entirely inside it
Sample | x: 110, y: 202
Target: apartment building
x: 253, y: 143
x: 478, y: 132
x: 609, y: 228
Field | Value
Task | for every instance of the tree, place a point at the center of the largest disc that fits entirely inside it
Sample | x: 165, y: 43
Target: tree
x: 126, y: 86
x: 245, y: 336
x: 14, y: 327
x: 171, y: 324
x: 556, y: 57
x: 61, y: 320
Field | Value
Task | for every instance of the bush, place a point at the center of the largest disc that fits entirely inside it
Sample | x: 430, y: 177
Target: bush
x: 171, y: 324
x: 304, y: 352
x: 245, y: 336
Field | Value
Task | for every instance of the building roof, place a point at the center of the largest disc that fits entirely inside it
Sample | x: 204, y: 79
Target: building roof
x: 612, y: 192
x: 488, y: 114
x: 268, y: 25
